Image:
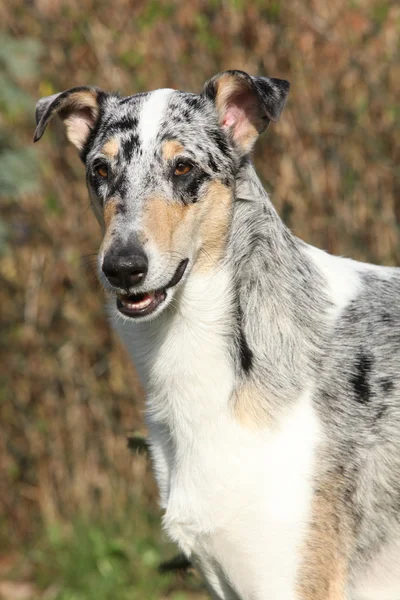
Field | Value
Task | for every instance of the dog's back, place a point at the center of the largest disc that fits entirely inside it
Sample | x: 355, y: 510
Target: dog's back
x: 358, y: 402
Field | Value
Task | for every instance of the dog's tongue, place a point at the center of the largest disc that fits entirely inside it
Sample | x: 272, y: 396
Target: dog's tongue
x: 139, y: 302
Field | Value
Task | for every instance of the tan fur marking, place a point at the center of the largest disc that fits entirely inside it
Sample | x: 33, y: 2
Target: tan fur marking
x: 215, y: 216
x: 175, y: 227
x: 324, y: 572
x: 171, y: 148
x: 248, y: 408
x: 84, y: 99
x: 161, y: 222
x: 111, y: 148
x: 109, y: 211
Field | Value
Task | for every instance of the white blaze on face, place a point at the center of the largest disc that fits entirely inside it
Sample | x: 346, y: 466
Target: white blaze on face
x: 151, y: 115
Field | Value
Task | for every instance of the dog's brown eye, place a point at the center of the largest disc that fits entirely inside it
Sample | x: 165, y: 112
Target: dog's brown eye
x: 182, y: 168
x: 102, y: 171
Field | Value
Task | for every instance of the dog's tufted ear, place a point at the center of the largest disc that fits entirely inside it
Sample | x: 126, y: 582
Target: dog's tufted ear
x: 79, y: 109
x: 246, y: 104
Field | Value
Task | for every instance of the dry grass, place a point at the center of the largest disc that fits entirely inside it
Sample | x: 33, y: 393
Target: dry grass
x: 68, y: 394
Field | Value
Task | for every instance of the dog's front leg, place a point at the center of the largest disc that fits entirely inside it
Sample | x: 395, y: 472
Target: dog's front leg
x: 283, y: 564
x: 215, y: 580
x: 324, y: 568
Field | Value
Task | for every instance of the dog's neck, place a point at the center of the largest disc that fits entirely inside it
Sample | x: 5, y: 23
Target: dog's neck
x: 256, y: 319
x: 280, y: 295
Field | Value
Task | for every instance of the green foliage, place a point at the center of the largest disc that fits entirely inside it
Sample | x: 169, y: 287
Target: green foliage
x: 18, y: 174
x: 18, y: 65
x: 20, y: 57
x: 154, y: 11
x: 3, y: 240
x: 105, y: 560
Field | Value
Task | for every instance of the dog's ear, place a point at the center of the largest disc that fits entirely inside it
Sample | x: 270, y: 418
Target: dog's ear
x: 246, y: 104
x: 79, y: 109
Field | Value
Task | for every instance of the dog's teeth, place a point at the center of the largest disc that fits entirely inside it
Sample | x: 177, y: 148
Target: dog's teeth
x: 139, y: 305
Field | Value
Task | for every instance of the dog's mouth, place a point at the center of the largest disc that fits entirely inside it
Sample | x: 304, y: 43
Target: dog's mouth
x: 146, y: 303
x: 139, y: 305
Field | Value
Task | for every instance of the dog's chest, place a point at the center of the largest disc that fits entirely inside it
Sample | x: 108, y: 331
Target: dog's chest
x: 239, y: 502
x: 237, y: 499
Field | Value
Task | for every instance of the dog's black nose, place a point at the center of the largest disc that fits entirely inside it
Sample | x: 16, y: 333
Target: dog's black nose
x: 126, y: 266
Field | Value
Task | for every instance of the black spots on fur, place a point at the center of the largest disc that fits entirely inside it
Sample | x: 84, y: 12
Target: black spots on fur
x: 212, y: 163
x: 118, y: 186
x: 360, y: 379
x: 121, y: 209
x: 174, y: 107
x: 381, y: 412
x: 128, y: 99
x: 246, y: 355
x: 96, y: 184
x: 257, y: 239
x: 125, y: 124
x: 194, y: 101
x: 125, y: 100
x: 386, y: 385
x: 210, y: 90
x: 244, y: 161
x: 133, y: 99
x: 130, y: 145
x: 187, y: 187
x: 165, y: 134
x: 220, y: 141
x: 176, y: 119
x: 386, y: 318
x: 193, y: 187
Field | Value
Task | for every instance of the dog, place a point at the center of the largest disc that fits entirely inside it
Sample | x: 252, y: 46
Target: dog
x: 271, y: 368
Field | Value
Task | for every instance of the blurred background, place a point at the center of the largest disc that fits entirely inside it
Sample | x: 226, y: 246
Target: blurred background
x: 78, y: 510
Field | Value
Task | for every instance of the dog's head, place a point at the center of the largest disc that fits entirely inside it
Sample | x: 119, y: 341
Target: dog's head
x: 161, y: 170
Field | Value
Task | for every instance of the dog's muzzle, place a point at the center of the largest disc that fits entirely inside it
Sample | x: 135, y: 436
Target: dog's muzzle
x: 146, y: 303
x: 125, y: 267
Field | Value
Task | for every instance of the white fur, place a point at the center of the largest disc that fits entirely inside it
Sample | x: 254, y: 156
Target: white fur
x: 381, y: 581
x: 342, y: 276
x: 236, y: 499
x: 151, y: 115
